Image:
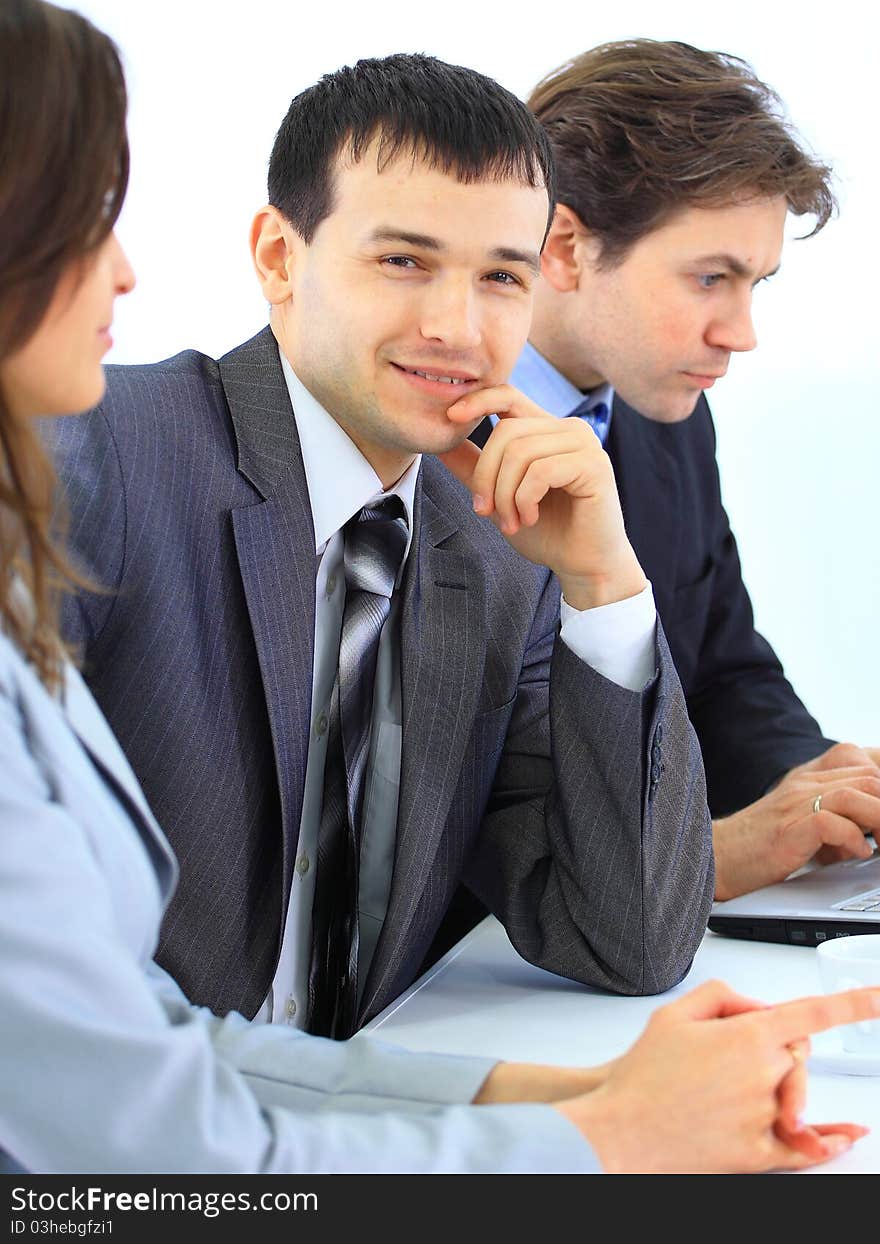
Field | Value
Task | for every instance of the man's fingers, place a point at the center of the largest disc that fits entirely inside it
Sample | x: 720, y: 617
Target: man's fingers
x: 501, y: 399
x: 843, y: 832
x: 563, y: 471
x: 862, y: 775
x: 524, y: 459
x: 462, y: 461
x: 504, y: 466
x: 832, y: 855
x: 849, y: 811
x: 864, y: 783
x: 842, y: 755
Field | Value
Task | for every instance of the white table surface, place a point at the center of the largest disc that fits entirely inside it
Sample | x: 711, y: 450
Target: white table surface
x: 482, y: 998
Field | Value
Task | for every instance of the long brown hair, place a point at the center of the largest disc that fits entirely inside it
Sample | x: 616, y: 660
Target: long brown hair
x: 63, y: 176
x: 641, y: 129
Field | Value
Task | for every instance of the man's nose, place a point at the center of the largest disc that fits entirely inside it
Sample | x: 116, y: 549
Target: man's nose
x: 450, y: 314
x: 734, y: 330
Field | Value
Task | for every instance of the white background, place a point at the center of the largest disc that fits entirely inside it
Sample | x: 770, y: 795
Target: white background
x: 210, y: 81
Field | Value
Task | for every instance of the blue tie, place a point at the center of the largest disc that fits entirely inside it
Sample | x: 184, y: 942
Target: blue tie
x: 596, y: 414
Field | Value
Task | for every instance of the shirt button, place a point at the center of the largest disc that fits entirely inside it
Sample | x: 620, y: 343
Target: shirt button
x: 290, y: 1009
x: 331, y: 584
x: 321, y: 725
x: 302, y: 865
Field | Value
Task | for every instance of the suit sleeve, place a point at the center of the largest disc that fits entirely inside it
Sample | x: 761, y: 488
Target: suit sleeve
x: 751, y: 725
x: 109, y: 1069
x: 595, y: 851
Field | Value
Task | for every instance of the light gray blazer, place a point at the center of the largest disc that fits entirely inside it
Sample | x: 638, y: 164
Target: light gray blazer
x: 105, y: 1066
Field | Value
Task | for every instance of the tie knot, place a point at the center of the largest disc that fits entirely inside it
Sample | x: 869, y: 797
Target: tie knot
x: 375, y: 541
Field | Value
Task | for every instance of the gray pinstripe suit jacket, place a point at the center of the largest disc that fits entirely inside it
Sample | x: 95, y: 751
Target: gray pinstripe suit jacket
x: 574, y: 808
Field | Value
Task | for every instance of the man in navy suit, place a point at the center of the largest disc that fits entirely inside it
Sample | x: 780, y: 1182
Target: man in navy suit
x: 676, y: 173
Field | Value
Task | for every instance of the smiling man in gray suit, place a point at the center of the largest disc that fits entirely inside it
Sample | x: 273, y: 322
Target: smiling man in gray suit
x: 553, y: 770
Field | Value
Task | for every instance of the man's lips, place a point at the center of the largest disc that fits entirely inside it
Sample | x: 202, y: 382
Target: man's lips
x: 705, y: 379
x: 450, y: 383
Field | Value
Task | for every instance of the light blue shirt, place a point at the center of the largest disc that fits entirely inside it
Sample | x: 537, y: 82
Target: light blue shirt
x: 538, y: 379
x: 622, y: 638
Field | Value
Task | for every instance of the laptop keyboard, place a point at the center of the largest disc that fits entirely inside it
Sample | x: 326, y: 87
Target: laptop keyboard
x: 861, y: 902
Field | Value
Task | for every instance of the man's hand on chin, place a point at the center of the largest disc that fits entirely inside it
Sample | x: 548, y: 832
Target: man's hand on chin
x: 548, y: 486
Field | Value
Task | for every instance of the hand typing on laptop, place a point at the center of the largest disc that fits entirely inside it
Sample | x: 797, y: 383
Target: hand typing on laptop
x: 779, y: 833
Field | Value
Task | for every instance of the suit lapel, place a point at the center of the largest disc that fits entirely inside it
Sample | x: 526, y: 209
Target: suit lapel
x: 645, y: 471
x: 443, y: 633
x: 443, y: 649
x: 275, y: 542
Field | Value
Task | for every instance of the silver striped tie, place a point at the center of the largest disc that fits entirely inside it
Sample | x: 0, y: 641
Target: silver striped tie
x: 375, y: 541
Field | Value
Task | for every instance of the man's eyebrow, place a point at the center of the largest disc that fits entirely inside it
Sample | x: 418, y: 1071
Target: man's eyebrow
x: 508, y: 254
x: 424, y: 241
x: 736, y: 266
x: 386, y: 233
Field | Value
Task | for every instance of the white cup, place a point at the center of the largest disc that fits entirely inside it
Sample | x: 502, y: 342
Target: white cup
x: 852, y: 963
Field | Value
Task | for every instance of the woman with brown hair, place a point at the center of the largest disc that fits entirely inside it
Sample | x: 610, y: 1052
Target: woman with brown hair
x: 104, y: 1064
x: 64, y: 156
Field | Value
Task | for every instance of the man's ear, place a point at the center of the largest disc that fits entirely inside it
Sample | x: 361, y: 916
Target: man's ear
x: 273, y: 243
x: 568, y: 249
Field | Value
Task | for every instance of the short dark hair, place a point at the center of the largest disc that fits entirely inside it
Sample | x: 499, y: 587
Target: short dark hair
x: 641, y: 129
x: 458, y: 120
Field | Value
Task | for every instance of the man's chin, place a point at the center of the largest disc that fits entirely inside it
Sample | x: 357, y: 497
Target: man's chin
x: 441, y: 439
x: 459, y: 434
x: 675, y: 409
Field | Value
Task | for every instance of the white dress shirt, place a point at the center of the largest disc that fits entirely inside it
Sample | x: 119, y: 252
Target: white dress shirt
x: 617, y: 640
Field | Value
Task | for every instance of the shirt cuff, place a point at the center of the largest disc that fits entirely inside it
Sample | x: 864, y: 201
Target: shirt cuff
x: 616, y: 640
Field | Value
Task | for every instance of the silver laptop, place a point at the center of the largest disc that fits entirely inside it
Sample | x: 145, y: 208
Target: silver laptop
x: 813, y: 904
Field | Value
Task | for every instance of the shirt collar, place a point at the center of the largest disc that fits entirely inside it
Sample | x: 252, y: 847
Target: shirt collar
x: 540, y: 380
x: 339, y: 478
